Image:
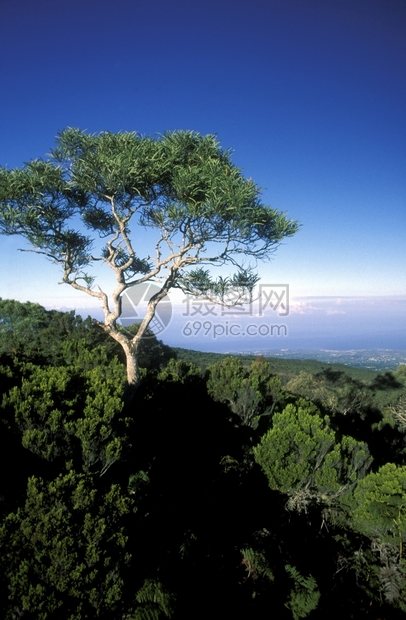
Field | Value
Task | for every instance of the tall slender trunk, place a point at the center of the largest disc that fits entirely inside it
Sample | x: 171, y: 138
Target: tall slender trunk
x: 133, y: 371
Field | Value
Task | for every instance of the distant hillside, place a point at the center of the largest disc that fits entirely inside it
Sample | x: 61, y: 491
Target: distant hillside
x: 286, y: 368
x: 384, y: 387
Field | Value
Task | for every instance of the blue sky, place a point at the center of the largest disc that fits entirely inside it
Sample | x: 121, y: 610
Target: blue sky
x: 310, y: 95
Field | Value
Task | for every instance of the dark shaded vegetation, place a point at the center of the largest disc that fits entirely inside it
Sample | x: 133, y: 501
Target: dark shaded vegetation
x: 229, y: 487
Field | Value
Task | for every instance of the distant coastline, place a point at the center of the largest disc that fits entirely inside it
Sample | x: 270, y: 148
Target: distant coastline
x: 373, y: 359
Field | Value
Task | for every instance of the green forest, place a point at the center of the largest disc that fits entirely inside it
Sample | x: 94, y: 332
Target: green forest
x: 226, y: 487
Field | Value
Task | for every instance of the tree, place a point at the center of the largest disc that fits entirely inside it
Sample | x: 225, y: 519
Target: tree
x: 65, y: 554
x: 304, y: 596
x: 302, y: 456
x: 181, y: 185
x: 379, y: 505
x: 251, y: 393
x: 68, y: 413
x: 398, y: 412
x: 20, y: 325
x: 378, y: 509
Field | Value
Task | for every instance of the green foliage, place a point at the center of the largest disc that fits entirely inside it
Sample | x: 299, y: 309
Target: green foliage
x: 154, y: 602
x: 302, y: 457
x: 76, y: 353
x: 256, y: 564
x: 182, y: 513
x: 199, y: 282
x: 8, y: 378
x: 377, y: 507
x: 250, y: 393
x: 59, y: 410
x: 400, y: 373
x: 179, y: 372
x: 304, y: 596
x: 20, y: 325
x: 28, y: 332
x: 225, y: 379
x: 379, y: 504
x: 43, y: 405
x: 96, y: 429
x: 65, y: 550
x: 138, y: 481
x: 307, y: 386
x: 286, y: 368
x: 395, y: 415
x: 333, y: 390
x: 389, y: 574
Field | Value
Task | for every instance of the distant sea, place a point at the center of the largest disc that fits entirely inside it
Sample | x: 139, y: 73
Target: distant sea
x: 369, y: 336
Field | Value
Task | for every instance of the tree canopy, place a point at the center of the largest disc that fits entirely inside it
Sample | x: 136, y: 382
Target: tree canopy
x: 111, y: 187
x: 301, y: 456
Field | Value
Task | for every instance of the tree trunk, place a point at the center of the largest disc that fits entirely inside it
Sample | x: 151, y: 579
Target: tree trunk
x: 133, y: 371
